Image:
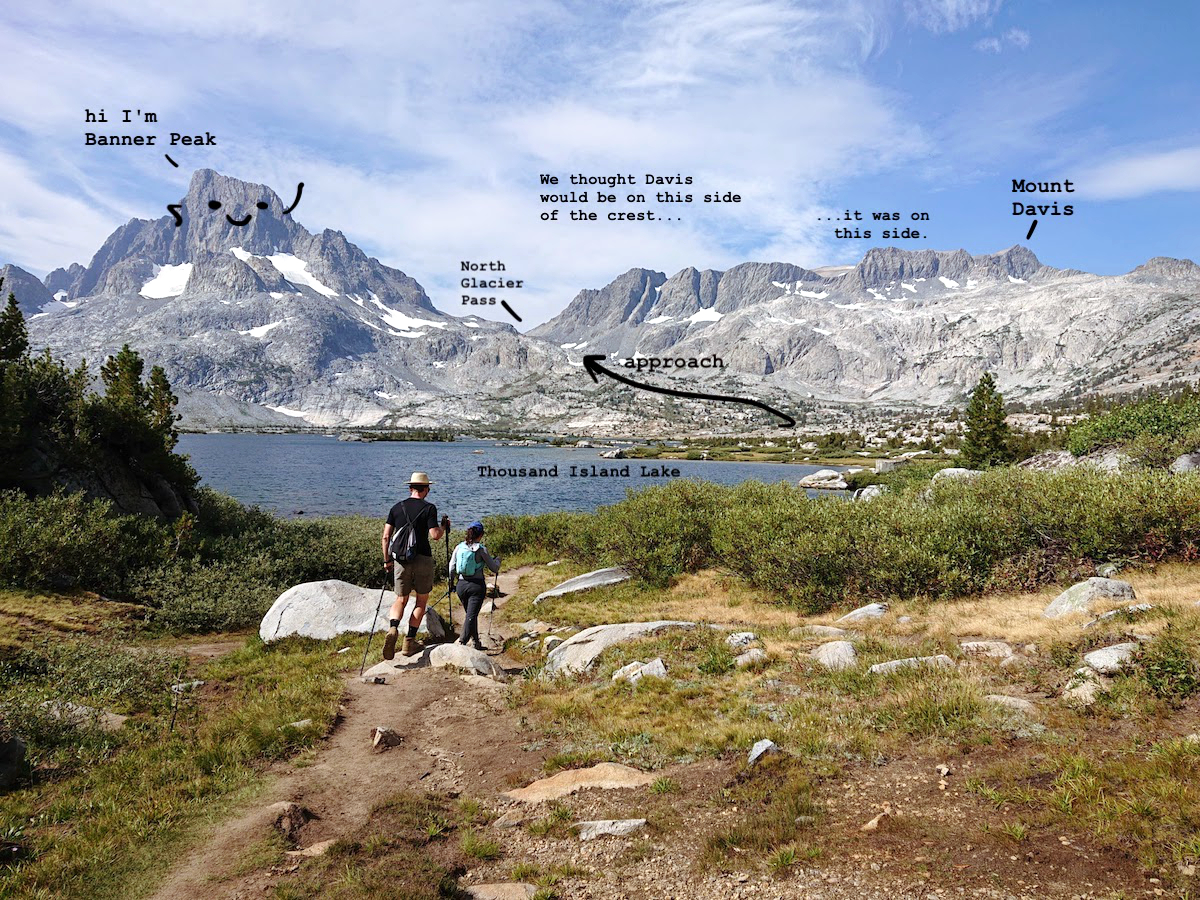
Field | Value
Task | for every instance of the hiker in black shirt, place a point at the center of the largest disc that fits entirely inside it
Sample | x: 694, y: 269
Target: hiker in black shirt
x: 417, y: 574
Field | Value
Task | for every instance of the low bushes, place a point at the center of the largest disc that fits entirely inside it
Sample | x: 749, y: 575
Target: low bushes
x: 1006, y: 529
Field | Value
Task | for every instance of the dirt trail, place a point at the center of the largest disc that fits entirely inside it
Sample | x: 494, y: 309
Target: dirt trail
x: 458, y: 737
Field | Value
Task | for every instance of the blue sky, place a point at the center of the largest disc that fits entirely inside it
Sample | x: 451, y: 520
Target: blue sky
x: 421, y: 133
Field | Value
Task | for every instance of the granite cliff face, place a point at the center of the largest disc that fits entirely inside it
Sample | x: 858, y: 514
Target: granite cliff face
x: 908, y: 326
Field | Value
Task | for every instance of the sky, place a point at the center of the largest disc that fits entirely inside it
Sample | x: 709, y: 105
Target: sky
x: 422, y: 133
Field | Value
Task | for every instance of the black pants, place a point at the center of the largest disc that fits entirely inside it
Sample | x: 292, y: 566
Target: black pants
x: 471, y: 594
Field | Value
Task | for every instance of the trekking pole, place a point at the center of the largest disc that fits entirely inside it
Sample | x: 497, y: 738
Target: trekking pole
x: 495, y: 597
x: 378, y: 606
x: 449, y: 590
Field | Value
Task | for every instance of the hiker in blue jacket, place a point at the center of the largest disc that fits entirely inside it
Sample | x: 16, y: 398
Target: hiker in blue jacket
x: 471, y: 561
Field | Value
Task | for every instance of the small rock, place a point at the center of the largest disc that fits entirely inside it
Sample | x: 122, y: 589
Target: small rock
x: 623, y: 673
x: 836, y: 655
x: 1108, y: 570
x: 955, y: 474
x: 1079, y: 597
x: 740, y: 639
x: 904, y: 620
x: 457, y: 656
x: 550, y: 642
x: 750, y: 658
x: 78, y: 714
x: 761, y: 749
x: 939, y: 661
x: 383, y: 737
x: 873, y: 825
x: 303, y: 723
x: 374, y: 679
x: 344, y: 650
x: 990, y: 649
x: 511, y: 819
x: 1110, y: 660
x: 655, y: 668
x: 1130, y: 612
x: 1084, y: 688
x: 608, y: 828
x: 863, y: 613
x: 1017, y: 704
x: 608, y: 776
x: 943, y: 770
x: 817, y: 631
x: 599, y: 578
x: 315, y: 850
x: 502, y: 891
x: 554, y: 562
x: 186, y: 687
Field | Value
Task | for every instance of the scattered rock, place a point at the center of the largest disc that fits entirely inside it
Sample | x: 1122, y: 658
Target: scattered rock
x: 315, y: 850
x: 1110, y: 660
x: 551, y: 642
x: 1017, y: 704
x: 750, y: 658
x: 1128, y: 612
x: 873, y: 825
x: 608, y: 828
x: 374, y: 679
x: 761, y: 749
x: 599, y: 578
x: 740, y: 639
x: 990, y: 649
x: 904, y: 620
x: 1188, y: 462
x: 1083, y: 688
x: 288, y: 819
x: 939, y: 661
x: 511, y: 890
x: 383, y: 737
x: 578, y: 652
x: 457, y: 656
x: 870, y: 492
x: 824, y: 480
x: 554, y: 562
x: 325, y: 609
x: 955, y: 474
x: 12, y: 762
x: 817, y: 631
x: 186, y: 687
x: 303, y: 723
x: 836, y: 655
x: 943, y: 770
x: 606, y: 776
x: 511, y: 819
x: 535, y: 626
x: 79, y: 715
x: 1108, y: 570
x: 863, y: 613
x: 623, y: 673
x: 1079, y: 597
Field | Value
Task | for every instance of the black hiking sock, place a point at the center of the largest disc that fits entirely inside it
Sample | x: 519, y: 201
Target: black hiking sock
x: 412, y: 632
x: 393, y: 623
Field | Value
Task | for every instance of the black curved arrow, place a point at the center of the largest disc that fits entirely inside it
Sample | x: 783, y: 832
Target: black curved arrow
x: 592, y: 365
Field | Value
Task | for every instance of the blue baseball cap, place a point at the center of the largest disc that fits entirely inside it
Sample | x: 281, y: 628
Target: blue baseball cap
x: 476, y: 526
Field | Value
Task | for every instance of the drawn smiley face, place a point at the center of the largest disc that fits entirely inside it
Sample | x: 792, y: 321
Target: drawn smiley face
x: 216, y: 204
x: 174, y: 209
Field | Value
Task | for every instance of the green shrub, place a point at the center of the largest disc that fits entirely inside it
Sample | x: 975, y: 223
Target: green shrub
x: 1173, y: 419
x: 1168, y: 668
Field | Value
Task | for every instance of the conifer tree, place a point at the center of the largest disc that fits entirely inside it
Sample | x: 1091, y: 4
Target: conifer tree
x: 122, y: 376
x: 14, y: 337
x: 162, y: 407
x: 985, y: 442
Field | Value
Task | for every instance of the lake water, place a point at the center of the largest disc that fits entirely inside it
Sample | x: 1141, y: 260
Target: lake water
x: 290, y: 473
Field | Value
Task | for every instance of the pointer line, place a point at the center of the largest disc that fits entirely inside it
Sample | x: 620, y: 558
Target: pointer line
x: 590, y: 363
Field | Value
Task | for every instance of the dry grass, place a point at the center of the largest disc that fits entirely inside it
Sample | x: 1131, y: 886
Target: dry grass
x: 29, y: 616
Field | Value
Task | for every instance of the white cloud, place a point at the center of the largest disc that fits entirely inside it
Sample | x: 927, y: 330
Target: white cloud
x: 941, y: 16
x: 1014, y: 37
x: 989, y: 45
x: 1143, y: 173
x: 1017, y: 37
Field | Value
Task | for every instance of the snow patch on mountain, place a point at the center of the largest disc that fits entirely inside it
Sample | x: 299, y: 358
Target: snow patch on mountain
x: 705, y: 315
x: 168, y: 281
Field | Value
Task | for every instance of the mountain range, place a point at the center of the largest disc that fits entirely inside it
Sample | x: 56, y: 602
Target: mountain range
x: 268, y: 324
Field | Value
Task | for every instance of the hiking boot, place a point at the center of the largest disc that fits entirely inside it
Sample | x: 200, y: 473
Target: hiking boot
x: 389, y: 643
x: 411, y: 647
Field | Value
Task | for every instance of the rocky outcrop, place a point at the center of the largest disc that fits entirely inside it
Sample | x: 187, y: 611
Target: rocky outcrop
x: 605, y: 776
x: 1080, y: 597
x: 599, y: 578
x: 579, y: 652
x: 325, y: 609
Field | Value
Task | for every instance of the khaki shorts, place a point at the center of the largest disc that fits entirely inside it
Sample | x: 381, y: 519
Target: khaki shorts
x: 415, y: 576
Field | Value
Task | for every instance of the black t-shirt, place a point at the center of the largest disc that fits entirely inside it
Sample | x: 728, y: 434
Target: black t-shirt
x: 423, y: 516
